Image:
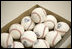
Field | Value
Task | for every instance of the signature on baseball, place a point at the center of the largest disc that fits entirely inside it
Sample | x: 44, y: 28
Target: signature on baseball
x: 59, y: 25
x: 26, y: 20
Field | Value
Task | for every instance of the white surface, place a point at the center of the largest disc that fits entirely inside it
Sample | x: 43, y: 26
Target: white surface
x: 12, y: 9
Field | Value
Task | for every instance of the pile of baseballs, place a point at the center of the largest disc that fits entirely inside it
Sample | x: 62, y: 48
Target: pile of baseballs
x: 36, y: 31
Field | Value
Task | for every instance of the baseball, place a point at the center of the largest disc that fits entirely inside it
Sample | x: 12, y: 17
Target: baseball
x: 50, y: 21
x: 53, y: 37
x: 16, y: 30
x: 41, y: 44
x: 62, y: 28
x: 41, y: 30
x: 38, y: 15
x: 28, y: 38
x: 6, y: 40
x: 17, y: 44
x: 27, y: 23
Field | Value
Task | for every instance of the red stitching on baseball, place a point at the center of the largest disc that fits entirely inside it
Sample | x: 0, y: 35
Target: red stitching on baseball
x: 44, y: 11
x: 19, y: 25
x: 29, y: 25
x: 16, y: 30
x: 46, y: 44
x: 38, y: 16
x: 7, y: 40
x: 43, y: 31
x: 60, y: 31
x: 51, y: 21
x: 27, y: 39
x: 54, y: 39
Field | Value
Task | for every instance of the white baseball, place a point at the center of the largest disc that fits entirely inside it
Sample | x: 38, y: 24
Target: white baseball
x: 62, y: 28
x: 16, y: 30
x: 41, y: 44
x: 41, y: 30
x: 17, y: 44
x: 27, y: 23
x: 6, y: 40
x: 50, y: 21
x: 53, y: 37
x: 38, y: 15
x: 28, y: 38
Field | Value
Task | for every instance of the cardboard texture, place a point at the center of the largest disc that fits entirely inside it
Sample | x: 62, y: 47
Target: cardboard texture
x: 28, y: 12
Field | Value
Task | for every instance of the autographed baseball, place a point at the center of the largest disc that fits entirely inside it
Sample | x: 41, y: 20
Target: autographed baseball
x: 53, y: 37
x: 6, y: 40
x: 62, y: 28
x: 16, y: 30
x: 50, y: 21
x: 17, y: 44
x: 41, y: 44
x: 41, y: 30
x: 27, y: 23
x: 28, y: 38
x: 38, y: 15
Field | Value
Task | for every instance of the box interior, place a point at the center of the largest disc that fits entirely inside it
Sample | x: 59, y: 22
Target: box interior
x: 28, y: 13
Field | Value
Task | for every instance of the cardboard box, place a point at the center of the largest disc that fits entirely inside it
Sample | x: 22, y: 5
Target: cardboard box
x: 28, y: 12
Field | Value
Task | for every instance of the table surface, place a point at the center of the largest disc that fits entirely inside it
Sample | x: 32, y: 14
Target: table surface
x: 12, y: 9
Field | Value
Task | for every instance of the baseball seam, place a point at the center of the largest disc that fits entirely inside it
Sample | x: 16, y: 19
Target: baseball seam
x: 60, y: 31
x: 43, y: 31
x: 38, y: 16
x: 29, y: 26
x: 16, y: 30
x: 13, y: 45
x: 54, y: 39
x: 27, y: 39
x: 19, y: 25
x: 44, y: 11
x: 46, y: 44
x: 7, y: 40
x: 51, y: 21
